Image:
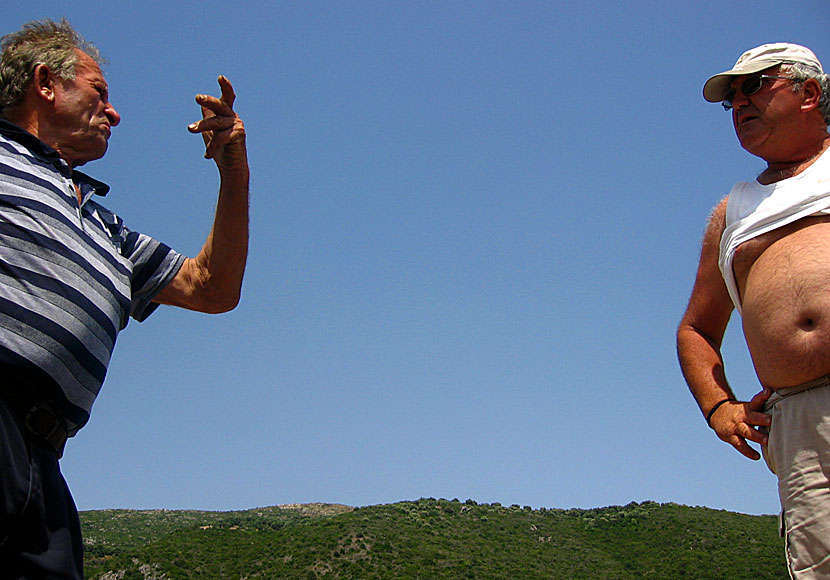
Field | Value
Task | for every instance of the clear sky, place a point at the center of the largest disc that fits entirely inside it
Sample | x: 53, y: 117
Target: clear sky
x: 475, y: 227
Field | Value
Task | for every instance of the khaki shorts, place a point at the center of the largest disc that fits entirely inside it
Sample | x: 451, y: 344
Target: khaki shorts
x: 799, y: 454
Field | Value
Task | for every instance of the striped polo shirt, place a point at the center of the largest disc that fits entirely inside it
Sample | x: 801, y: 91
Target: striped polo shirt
x: 70, y: 276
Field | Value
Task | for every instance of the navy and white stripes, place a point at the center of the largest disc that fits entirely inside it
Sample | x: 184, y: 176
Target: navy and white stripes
x: 70, y: 276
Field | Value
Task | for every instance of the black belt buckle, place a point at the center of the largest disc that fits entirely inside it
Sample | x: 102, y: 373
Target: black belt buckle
x: 42, y: 421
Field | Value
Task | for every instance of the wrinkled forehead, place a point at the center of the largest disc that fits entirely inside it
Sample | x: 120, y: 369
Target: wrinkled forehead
x: 85, y: 62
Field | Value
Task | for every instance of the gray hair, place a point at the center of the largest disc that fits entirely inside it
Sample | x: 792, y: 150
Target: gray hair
x: 39, y: 42
x: 802, y: 72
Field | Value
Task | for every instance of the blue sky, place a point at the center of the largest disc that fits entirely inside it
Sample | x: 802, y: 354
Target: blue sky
x: 475, y: 227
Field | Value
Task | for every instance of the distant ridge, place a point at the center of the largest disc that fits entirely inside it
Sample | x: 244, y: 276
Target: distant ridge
x: 433, y: 539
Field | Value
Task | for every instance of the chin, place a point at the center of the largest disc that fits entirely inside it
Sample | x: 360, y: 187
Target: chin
x: 97, y: 154
x: 89, y: 153
x: 752, y: 146
x: 85, y: 160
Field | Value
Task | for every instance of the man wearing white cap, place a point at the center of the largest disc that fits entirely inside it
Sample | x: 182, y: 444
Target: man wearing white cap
x: 766, y: 254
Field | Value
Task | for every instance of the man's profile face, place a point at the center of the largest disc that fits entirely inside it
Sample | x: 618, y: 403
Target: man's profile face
x: 83, y: 115
x: 762, y: 120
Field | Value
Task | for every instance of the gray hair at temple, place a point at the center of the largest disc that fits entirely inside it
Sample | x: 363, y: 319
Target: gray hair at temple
x: 802, y: 72
x: 38, y: 42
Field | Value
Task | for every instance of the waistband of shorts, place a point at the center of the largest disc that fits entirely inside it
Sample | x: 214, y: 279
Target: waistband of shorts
x: 780, y: 394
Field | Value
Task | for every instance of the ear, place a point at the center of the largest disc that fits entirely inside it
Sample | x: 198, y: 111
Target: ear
x: 811, y: 95
x: 43, y: 83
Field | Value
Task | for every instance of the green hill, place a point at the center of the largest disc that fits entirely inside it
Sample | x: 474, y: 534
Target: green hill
x: 434, y: 539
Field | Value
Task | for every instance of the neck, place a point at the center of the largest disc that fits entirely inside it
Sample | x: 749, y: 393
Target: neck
x: 780, y: 170
x: 23, y: 119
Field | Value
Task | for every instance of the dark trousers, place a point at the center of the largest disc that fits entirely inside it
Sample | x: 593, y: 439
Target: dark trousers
x: 40, y: 533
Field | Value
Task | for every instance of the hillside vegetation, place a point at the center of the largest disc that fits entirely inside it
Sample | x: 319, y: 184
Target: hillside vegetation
x: 434, y: 539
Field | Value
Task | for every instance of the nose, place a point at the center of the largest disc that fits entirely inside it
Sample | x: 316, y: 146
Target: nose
x: 112, y: 115
x: 739, y: 99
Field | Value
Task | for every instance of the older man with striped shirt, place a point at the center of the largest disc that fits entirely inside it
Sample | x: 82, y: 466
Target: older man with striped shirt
x: 72, y: 274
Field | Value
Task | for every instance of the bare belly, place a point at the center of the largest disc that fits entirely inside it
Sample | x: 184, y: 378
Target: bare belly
x: 786, y: 303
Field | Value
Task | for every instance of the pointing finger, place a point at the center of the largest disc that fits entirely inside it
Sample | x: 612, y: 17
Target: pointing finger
x: 228, y: 95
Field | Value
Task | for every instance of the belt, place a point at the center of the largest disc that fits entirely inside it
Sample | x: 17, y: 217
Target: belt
x: 39, y: 417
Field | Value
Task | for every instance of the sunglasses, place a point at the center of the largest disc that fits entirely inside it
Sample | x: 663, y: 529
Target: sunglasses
x: 749, y: 87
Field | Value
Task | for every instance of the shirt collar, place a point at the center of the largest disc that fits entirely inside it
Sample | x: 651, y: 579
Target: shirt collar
x: 47, y: 153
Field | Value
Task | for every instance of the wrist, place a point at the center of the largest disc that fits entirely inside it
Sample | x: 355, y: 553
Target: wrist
x: 717, y: 406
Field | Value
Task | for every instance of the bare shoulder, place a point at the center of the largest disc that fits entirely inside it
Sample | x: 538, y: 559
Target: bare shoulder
x: 715, y: 226
x: 717, y: 219
x: 710, y: 248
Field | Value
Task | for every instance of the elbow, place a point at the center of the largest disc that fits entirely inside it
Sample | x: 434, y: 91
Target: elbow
x: 211, y: 297
x: 224, y: 307
x: 688, y: 334
x: 199, y: 289
x: 209, y: 291
x: 222, y: 302
x: 682, y: 329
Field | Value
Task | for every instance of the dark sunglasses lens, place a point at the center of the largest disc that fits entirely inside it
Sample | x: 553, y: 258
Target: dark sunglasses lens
x: 751, y: 86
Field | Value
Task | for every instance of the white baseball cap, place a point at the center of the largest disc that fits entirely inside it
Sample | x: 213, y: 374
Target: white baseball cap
x: 761, y: 58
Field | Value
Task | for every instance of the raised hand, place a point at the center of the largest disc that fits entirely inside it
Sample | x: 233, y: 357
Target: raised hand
x: 222, y: 129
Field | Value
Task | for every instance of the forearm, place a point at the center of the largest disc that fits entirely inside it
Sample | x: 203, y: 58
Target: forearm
x: 702, y: 367
x: 223, y: 257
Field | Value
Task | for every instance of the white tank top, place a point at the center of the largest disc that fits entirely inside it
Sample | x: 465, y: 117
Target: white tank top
x: 754, y: 209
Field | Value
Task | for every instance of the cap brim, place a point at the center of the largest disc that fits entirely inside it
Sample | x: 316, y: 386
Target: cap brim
x: 717, y: 87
